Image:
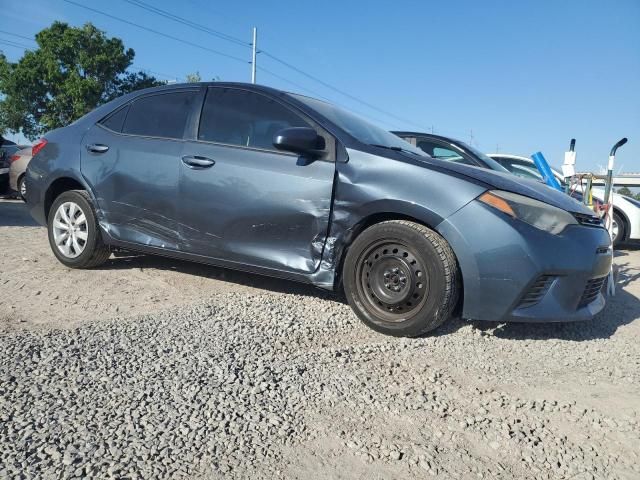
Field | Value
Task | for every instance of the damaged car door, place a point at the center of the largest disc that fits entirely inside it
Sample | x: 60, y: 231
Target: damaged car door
x: 244, y: 201
x: 132, y: 160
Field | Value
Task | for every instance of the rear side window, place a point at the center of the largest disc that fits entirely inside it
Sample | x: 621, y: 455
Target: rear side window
x: 238, y: 117
x: 164, y: 115
x: 116, y: 120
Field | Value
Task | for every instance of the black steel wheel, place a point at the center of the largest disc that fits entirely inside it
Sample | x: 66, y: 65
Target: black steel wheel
x: 392, y: 279
x: 401, y: 278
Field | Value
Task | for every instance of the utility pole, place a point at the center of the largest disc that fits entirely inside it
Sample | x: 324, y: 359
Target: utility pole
x: 254, y: 47
x: 431, y: 129
x: 471, y: 137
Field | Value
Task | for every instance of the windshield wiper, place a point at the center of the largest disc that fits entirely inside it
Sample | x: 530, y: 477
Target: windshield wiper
x: 395, y: 149
x: 388, y: 147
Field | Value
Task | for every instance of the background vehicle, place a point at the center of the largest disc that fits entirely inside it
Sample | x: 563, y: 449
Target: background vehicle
x: 626, y: 211
x: 252, y: 178
x: 6, y: 151
x: 17, y: 168
x: 450, y: 149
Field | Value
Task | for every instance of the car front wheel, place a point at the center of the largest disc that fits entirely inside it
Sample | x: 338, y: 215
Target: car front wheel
x: 401, y: 278
x: 73, y: 231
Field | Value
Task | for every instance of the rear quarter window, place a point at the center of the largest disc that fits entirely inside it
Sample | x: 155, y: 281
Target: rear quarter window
x: 115, y: 121
x: 161, y: 115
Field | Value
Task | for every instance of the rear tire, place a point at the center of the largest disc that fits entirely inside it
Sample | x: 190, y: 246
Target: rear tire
x: 22, y: 188
x: 401, y: 278
x: 73, y: 231
x: 621, y: 230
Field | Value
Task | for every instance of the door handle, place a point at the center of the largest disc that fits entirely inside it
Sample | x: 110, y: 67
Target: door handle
x: 196, y: 161
x: 97, y: 148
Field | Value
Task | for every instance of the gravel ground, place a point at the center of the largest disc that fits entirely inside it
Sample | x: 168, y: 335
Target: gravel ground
x: 204, y: 373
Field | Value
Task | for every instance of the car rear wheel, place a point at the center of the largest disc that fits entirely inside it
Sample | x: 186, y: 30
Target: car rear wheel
x: 618, y: 229
x: 73, y: 231
x: 22, y: 188
x: 401, y: 278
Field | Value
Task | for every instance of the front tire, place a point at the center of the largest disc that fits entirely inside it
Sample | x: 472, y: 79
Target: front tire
x: 73, y: 231
x: 401, y: 278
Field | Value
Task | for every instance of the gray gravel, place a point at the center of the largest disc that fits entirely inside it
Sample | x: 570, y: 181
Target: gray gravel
x: 275, y: 385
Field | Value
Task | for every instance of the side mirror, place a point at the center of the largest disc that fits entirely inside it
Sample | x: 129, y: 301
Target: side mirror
x: 302, y: 140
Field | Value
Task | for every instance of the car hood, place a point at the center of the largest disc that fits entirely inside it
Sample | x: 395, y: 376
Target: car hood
x: 506, y: 181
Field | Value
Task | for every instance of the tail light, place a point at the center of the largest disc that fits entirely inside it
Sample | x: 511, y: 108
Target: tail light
x: 13, y: 158
x: 39, y: 145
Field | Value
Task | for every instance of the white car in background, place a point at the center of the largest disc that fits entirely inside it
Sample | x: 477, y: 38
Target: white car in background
x: 626, y: 210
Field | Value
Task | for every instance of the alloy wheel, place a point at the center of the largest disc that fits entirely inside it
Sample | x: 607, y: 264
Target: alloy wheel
x: 23, y: 188
x: 70, y: 229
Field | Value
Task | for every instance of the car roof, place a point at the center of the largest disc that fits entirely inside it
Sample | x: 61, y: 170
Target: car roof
x: 557, y: 172
x: 247, y: 86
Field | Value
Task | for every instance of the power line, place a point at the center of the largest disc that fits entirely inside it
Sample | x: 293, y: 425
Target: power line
x: 18, y: 45
x: 31, y: 39
x: 341, y: 92
x: 184, y: 21
x: 159, y: 74
x: 317, y: 95
x: 14, y: 44
x: 186, y: 42
x: 291, y: 82
x: 238, y: 41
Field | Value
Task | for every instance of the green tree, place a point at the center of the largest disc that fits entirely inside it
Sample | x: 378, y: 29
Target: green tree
x: 72, y: 71
x: 625, y: 191
x: 193, y: 77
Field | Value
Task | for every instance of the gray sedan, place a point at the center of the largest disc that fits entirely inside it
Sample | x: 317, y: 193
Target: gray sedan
x: 253, y: 178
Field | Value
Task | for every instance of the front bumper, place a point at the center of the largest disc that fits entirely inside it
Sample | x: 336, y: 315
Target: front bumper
x: 502, y: 262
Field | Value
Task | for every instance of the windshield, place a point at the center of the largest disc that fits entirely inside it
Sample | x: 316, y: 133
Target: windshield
x: 361, y: 129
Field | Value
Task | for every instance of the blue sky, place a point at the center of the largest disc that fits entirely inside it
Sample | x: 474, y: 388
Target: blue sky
x: 517, y: 76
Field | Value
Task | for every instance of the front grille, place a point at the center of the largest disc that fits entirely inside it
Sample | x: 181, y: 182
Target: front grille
x: 537, y: 291
x: 588, y: 220
x: 592, y: 290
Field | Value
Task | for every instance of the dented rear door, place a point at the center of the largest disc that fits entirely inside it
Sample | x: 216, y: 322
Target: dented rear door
x: 131, y: 159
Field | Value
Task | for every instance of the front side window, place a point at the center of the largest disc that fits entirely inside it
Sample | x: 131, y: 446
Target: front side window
x: 163, y: 115
x: 238, y: 117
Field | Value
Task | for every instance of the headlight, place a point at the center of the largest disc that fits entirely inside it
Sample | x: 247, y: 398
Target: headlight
x: 537, y: 214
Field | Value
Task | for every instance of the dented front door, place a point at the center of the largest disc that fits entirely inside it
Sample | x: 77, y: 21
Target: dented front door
x: 263, y: 208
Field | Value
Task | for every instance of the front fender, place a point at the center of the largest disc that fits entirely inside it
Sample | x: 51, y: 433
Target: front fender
x: 369, y: 186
